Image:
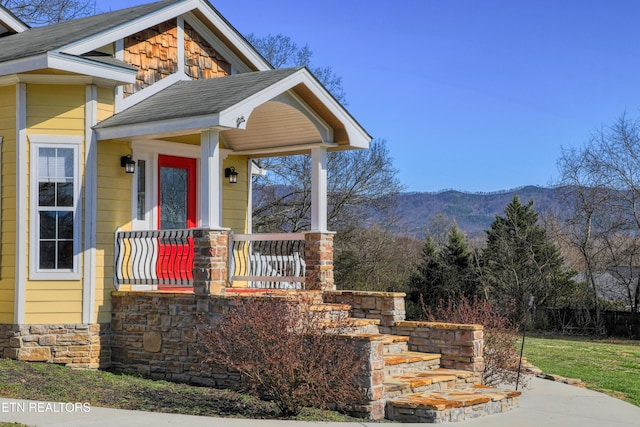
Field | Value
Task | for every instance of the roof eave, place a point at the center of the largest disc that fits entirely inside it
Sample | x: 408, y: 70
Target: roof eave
x: 73, y: 64
x: 174, y: 127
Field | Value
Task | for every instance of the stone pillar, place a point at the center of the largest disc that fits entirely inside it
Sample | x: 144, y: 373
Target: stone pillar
x: 318, y: 256
x: 211, y: 260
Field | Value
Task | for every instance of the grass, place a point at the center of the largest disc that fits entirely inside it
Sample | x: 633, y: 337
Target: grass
x: 40, y: 381
x: 608, y: 366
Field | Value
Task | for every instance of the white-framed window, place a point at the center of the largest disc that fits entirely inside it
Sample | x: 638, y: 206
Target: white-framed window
x: 55, y: 208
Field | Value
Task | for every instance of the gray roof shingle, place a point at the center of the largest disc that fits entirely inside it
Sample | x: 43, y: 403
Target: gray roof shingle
x: 40, y: 40
x: 197, y: 97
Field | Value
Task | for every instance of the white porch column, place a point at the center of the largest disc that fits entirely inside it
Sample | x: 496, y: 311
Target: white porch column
x: 22, y: 188
x: 210, y: 181
x: 319, y: 189
x: 90, y: 209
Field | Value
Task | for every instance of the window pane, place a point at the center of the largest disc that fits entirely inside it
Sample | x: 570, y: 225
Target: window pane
x: 46, y: 163
x: 66, y: 158
x: 47, y: 225
x: 173, y: 198
x: 65, y: 225
x: 47, y: 194
x: 65, y: 255
x: 47, y: 255
x: 142, y: 183
x: 65, y: 194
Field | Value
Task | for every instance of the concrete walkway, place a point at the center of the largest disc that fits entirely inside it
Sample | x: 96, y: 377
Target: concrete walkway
x: 544, y: 404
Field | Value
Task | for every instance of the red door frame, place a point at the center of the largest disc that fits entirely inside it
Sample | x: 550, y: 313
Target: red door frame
x: 175, y: 260
x: 190, y: 166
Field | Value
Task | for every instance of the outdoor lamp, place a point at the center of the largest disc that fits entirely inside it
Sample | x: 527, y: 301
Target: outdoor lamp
x: 128, y: 163
x: 231, y: 174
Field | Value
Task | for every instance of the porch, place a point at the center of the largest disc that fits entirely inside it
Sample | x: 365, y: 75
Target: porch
x: 213, y: 261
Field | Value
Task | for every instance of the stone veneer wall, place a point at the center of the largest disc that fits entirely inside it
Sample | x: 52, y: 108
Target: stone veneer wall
x: 388, y: 307
x: 460, y: 345
x: 155, y: 335
x: 76, y: 345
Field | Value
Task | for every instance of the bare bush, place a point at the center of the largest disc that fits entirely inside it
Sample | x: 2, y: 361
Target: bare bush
x: 501, y: 357
x: 287, y: 350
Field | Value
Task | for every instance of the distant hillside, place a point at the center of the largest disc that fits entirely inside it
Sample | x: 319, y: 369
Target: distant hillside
x: 473, y: 212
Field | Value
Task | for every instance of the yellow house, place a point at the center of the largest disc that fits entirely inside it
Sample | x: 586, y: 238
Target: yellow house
x: 120, y: 134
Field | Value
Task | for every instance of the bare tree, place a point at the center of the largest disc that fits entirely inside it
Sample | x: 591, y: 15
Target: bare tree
x: 282, y: 52
x: 43, y: 12
x: 600, y: 183
x: 357, y: 182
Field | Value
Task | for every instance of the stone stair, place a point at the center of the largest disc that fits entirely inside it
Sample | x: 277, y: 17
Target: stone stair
x: 417, y: 389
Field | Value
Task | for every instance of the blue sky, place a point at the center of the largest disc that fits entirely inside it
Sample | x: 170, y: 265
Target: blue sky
x: 473, y: 95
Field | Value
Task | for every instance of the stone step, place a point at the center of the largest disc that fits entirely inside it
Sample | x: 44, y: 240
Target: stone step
x: 356, y: 327
x: 451, y: 405
x: 437, y: 379
x: 408, y: 362
x: 393, y: 344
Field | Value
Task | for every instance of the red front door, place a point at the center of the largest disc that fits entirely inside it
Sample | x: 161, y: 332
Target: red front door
x: 176, y: 211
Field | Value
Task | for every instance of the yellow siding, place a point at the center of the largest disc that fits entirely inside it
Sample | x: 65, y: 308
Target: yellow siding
x: 55, y: 110
x: 105, y: 103
x: 114, y: 210
x: 235, y: 196
x: 8, y: 202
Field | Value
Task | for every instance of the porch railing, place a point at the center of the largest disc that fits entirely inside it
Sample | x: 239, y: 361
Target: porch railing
x: 154, y: 257
x: 272, y: 261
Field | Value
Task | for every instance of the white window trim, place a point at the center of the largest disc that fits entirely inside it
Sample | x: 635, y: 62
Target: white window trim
x: 54, y: 141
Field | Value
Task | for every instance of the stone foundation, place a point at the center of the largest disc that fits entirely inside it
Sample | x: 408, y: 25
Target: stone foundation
x: 84, y: 346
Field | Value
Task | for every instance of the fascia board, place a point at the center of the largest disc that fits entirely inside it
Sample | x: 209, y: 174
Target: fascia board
x: 358, y: 137
x: 79, y: 65
x: 67, y: 63
x: 12, y: 22
x: 131, y: 27
x: 174, y: 126
x: 24, y: 64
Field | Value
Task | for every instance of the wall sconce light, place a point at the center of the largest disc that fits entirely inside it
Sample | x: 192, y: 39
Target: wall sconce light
x: 128, y: 163
x: 231, y: 174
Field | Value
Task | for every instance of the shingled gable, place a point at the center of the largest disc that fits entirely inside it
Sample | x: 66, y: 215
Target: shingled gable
x: 49, y: 46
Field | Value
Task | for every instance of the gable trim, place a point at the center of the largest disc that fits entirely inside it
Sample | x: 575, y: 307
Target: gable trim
x: 124, y: 103
x: 128, y: 28
x: 11, y: 22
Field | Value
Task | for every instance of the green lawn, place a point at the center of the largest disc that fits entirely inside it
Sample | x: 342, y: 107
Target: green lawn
x: 42, y: 381
x: 612, y: 367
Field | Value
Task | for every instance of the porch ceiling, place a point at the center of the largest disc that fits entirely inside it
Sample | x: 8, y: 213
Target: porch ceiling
x: 262, y: 113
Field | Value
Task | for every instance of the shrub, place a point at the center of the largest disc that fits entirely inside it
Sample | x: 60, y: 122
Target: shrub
x: 501, y: 357
x: 288, y: 351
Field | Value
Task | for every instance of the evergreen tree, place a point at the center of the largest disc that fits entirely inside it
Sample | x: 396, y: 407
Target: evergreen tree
x: 519, y: 261
x: 444, y: 273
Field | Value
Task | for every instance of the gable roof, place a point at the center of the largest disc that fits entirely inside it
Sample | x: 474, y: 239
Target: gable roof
x: 192, y: 98
x: 228, y: 103
x: 79, y: 36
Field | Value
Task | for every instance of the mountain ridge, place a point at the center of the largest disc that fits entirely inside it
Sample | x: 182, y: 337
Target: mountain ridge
x: 472, y: 212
